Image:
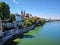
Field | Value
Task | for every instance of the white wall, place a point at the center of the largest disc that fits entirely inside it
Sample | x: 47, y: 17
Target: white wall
x: 18, y: 17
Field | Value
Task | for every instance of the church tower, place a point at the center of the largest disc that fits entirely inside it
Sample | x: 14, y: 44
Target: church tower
x: 22, y: 13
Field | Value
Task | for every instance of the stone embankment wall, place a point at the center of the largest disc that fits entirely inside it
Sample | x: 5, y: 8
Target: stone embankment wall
x: 9, y: 34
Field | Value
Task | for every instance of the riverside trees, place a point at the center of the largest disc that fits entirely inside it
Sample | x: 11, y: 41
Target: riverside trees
x: 28, y: 20
x: 4, y: 11
x: 33, y: 20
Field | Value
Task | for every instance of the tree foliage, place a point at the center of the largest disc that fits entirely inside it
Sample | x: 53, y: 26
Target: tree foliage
x: 33, y: 20
x: 12, y: 17
x: 27, y: 23
x: 4, y: 11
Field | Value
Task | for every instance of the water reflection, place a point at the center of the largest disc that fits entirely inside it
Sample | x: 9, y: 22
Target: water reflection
x: 27, y: 36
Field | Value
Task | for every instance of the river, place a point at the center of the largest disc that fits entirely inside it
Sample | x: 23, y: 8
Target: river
x: 48, y: 34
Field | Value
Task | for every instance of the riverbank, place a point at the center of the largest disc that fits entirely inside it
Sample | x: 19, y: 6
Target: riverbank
x: 9, y: 34
x: 48, y: 34
x: 13, y: 41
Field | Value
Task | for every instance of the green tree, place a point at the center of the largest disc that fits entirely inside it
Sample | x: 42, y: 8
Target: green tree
x: 4, y: 11
x: 32, y: 20
x: 42, y: 21
x: 27, y: 23
x: 12, y: 16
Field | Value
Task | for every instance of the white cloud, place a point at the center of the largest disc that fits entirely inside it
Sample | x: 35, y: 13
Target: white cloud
x: 15, y: 1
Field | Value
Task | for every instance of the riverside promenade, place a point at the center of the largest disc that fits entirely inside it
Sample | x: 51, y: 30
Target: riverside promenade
x: 9, y: 34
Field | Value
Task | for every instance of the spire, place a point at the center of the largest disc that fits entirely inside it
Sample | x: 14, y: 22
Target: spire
x: 24, y: 12
x: 21, y: 12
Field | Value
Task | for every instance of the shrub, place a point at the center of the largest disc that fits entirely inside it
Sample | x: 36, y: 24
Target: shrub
x: 20, y: 26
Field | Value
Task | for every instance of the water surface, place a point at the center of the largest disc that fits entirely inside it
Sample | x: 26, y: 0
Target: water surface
x: 48, y: 34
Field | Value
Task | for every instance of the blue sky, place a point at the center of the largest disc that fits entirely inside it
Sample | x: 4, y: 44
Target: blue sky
x: 40, y: 8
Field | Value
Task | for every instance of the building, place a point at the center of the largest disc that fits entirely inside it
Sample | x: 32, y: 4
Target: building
x: 26, y: 15
x: 19, y: 19
x: 30, y: 16
x: 23, y: 13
